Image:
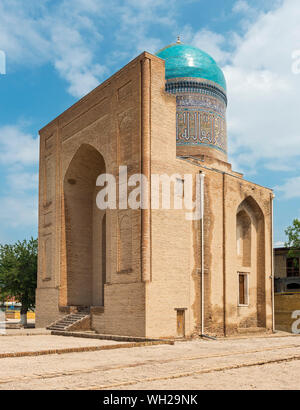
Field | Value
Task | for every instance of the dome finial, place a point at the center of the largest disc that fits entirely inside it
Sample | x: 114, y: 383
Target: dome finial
x: 178, y: 40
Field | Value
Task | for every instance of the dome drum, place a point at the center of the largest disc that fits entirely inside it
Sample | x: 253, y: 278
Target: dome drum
x: 200, y: 88
x: 194, y: 85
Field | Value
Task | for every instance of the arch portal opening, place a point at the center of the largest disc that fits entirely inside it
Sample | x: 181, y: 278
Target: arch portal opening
x: 85, y: 229
x: 250, y: 228
x: 243, y: 231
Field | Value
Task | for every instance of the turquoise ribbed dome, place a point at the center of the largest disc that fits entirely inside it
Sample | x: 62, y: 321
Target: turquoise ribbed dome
x: 188, y: 61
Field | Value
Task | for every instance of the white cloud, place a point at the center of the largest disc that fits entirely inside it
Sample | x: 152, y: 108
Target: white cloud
x: 290, y: 189
x: 263, y: 92
x: 250, y: 10
x: 20, y: 35
x: 74, y: 61
x: 19, y: 211
x: 68, y: 34
x: 241, y: 6
x: 22, y: 181
x: 140, y: 21
x: 65, y: 36
x: 19, y: 152
x: 17, y: 147
x: 212, y: 43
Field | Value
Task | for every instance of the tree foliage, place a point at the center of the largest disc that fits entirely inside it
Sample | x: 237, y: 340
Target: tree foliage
x: 18, y: 272
x: 293, y: 242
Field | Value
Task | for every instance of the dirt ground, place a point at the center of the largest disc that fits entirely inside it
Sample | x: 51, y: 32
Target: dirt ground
x: 253, y: 363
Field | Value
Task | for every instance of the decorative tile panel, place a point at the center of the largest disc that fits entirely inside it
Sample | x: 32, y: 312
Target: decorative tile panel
x: 201, y: 120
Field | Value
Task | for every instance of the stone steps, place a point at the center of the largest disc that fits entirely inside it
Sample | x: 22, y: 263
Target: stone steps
x: 68, y: 321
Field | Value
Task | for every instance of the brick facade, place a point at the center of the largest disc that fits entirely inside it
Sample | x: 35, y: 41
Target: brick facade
x: 145, y: 264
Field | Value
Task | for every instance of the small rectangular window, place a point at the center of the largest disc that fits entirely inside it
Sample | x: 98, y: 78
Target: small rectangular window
x: 292, y: 267
x: 243, y: 289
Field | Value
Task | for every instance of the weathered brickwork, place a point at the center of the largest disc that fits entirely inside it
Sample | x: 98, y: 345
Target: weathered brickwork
x: 285, y: 306
x: 137, y: 268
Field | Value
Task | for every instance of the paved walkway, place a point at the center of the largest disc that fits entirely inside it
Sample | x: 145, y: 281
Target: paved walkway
x: 26, y: 332
x: 16, y: 344
x: 255, y: 363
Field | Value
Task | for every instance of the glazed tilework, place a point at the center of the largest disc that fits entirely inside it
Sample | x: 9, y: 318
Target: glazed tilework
x: 187, y: 61
x: 200, y: 88
x: 201, y: 120
x: 199, y: 101
x: 195, y: 85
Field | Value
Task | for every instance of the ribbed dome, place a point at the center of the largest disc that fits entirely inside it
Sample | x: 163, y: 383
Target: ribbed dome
x: 188, y: 61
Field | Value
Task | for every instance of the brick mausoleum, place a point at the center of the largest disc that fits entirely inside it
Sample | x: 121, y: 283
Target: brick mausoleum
x: 151, y: 272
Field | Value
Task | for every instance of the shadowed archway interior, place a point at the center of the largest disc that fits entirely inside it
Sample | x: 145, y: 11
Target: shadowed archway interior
x: 85, y: 229
x: 250, y: 224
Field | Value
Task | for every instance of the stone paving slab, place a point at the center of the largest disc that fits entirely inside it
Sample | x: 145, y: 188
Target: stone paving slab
x: 24, y: 346
x: 118, y: 338
x: 160, y: 366
x: 35, y: 343
x: 26, y: 332
x: 271, y: 376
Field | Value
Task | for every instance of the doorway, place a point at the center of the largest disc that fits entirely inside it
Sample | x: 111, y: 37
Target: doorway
x: 181, y: 322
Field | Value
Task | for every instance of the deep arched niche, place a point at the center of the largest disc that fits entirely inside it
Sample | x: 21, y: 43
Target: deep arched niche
x: 251, y: 250
x: 243, y: 233
x: 85, y: 229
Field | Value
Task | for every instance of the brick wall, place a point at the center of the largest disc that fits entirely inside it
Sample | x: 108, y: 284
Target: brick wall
x: 153, y: 259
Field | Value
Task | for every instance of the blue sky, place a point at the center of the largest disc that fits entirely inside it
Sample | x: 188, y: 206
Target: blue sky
x: 57, y: 51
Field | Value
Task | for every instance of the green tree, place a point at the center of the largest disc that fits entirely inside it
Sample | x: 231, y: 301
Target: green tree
x: 18, y: 272
x: 293, y: 242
